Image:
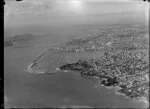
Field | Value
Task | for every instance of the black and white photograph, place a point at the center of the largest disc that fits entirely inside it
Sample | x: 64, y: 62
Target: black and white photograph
x: 76, y: 54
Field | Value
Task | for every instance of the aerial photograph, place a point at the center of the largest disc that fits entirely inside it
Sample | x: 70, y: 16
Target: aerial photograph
x: 76, y: 54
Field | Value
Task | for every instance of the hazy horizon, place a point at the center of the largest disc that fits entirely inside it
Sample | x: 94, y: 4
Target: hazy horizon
x: 28, y: 15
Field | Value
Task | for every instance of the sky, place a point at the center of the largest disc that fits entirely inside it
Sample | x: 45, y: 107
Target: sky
x: 33, y: 12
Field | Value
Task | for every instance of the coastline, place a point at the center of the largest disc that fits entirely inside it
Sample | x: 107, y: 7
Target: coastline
x: 30, y: 70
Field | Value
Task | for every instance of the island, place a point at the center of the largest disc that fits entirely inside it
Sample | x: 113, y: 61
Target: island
x: 9, y: 41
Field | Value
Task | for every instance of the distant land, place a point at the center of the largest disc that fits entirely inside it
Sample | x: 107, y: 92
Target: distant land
x: 9, y: 41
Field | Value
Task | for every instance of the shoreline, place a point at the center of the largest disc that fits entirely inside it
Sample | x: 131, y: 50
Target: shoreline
x: 116, y: 88
x: 30, y: 70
